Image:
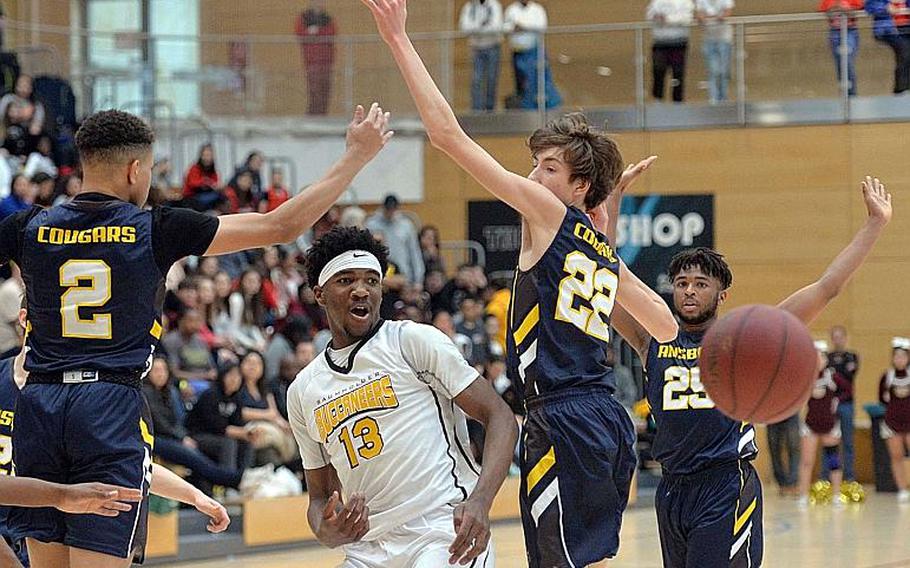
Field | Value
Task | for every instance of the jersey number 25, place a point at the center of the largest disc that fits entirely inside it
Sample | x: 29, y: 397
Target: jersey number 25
x: 597, y: 290
x: 683, y: 390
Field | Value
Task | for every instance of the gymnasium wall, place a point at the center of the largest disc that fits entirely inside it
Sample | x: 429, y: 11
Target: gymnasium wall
x: 786, y: 201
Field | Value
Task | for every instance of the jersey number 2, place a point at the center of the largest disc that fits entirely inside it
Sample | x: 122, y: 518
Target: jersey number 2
x: 595, y: 287
x: 680, y: 380
x: 371, y: 444
x: 79, y: 294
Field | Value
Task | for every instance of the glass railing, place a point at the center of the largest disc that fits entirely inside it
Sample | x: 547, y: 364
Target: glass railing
x: 781, y: 69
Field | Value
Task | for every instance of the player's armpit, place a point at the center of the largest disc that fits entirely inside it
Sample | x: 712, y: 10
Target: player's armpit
x: 645, y: 306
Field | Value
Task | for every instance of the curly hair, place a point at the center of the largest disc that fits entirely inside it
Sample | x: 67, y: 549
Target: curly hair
x: 592, y: 156
x: 340, y: 240
x: 113, y: 136
x: 708, y: 260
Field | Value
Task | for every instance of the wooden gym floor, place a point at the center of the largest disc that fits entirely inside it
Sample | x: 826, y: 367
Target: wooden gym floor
x: 875, y: 534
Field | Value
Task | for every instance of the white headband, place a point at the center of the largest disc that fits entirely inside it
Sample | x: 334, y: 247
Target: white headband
x: 900, y: 343
x: 350, y: 260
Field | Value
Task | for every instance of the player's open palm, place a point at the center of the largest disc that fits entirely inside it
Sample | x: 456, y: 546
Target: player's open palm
x: 472, y: 532
x: 632, y: 173
x: 878, y: 200
x: 98, y: 499
x: 344, y: 524
x: 219, y: 520
x: 391, y: 17
x: 369, y: 131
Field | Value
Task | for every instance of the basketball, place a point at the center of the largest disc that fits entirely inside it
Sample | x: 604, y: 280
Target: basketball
x: 758, y: 364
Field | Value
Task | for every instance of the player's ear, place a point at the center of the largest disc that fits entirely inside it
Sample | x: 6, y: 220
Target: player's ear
x: 581, y: 189
x: 132, y: 173
x: 317, y: 292
x: 722, y: 297
x: 23, y: 318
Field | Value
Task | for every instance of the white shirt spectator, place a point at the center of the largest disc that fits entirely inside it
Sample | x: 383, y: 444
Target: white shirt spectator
x: 524, y: 22
x: 401, y: 238
x: 711, y: 11
x: 38, y: 162
x: 483, y: 20
x: 671, y: 20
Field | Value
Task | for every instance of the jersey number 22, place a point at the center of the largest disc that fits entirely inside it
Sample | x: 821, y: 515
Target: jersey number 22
x: 595, y: 287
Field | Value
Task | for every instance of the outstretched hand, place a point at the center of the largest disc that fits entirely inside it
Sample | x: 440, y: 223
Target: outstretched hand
x: 632, y: 173
x: 98, y: 498
x: 878, y: 200
x: 391, y: 17
x: 368, y: 132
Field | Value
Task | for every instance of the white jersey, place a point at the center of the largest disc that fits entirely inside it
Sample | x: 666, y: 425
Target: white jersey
x: 385, y: 420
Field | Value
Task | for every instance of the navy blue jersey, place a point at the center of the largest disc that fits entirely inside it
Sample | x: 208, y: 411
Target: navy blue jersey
x: 9, y: 392
x: 94, y: 274
x: 691, y: 434
x: 559, y: 314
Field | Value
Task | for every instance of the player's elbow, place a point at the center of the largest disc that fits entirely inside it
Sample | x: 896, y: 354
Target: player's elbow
x: 666, y: 329
x: 444, y: 137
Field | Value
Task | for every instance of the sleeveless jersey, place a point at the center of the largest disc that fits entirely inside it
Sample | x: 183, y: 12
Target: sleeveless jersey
x: 559, y: 313
x: 822, y: 414
x: 387, y: 422
x: 691, y: 434
x: 9, y: 393
x: 895, y: 394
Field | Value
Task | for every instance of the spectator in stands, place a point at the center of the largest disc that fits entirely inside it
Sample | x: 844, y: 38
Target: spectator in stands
x: 401, y: 238
x: 526, y: 21
x: 248, y: 313
x: 469, y: 322
x: 434, y: 283
x: 219, y: 317
x: 41, y: 159
x: 671, y: 19
x: 276, y: 194
x: 890, y: 17
x: 201, y: 189
x: 429, y: 247
x: 253, y: 164
x: 161, y: 189
x: 283, y: 345
x: 259, y: 409
x: 287, y: 372
x: 498, y: 307
x: 469, y: 279
x: 205, y: 293
x: 353, y: 216
x: 23, y: 116
x: 483, y: 20
x: 316, y: 30
x: 173, y: 443
x: 208, y: 266
x: 45, y: 186
x: 22, y: 196
x: 846, y: 364
x: 717, y: 44
x: 185, y: 298
x: 492, y: 328
x: 444, y: 323
x: 783, y: 438
x: 894, y: 393
x: 239, y: 193
x: 188, y: 354
x: 216, y: 422
x: 67, y: 188
x: 838, y: 11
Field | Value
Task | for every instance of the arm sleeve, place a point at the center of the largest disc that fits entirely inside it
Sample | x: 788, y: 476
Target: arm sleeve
x: 436, y: 360
x: 11, y: 233
x: 177, y: 233
x: 310, y: 450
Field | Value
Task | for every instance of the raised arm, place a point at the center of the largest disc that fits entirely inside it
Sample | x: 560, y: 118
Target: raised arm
x: 535, y: 203
x: 367, y: 135
x: 809, y: 302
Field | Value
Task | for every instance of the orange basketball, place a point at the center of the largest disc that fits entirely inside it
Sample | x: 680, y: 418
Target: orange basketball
x: 758, y: 364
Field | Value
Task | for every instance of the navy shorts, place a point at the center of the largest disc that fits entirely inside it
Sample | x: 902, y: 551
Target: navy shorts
x: 711, y: 519
x: 80, y: 433
x: 577, y: 461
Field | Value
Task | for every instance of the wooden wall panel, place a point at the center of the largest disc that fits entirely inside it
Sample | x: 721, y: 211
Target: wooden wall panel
x: 787, y: 201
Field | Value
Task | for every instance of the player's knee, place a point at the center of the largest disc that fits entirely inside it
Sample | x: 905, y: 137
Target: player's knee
x: 831, y: 455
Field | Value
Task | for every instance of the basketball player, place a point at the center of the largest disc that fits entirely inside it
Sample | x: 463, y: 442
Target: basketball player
x: 165, y: 483
x: 379, y: 418
x: 94, y: 270
x: 577, y: 455
x: 709, y: 502
x: 822, y: 424
x: 894, y: 393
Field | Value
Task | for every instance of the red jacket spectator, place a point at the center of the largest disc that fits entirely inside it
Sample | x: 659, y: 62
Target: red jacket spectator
x: 311, y: 24
x: 202, y: 176
x: 833, y: 6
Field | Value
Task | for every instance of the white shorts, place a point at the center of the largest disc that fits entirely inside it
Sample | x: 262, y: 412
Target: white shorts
x: 419, y: 543
x: 835, y: 432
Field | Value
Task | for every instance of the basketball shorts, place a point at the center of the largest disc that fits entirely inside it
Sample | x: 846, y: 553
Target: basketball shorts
x: 711, y: 519
x: 420, y: 543
x: 577, y: 462
x: 90, y: 432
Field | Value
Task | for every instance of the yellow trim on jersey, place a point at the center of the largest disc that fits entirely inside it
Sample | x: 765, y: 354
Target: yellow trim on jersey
x: 156, y: 330
x: 745, y: 516
x: 541, y: 469
x: 527, y: 325
x: 146, y: 435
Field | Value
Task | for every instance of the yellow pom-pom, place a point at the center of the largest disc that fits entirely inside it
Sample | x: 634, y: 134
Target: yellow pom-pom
x: 853, y: 492
x: 820, y: 493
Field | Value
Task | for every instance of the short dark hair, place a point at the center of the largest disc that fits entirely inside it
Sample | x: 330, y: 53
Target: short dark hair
x: 340, y: 240
x: 592, y: 156
x: 710, y: 262
x: 113, y: 136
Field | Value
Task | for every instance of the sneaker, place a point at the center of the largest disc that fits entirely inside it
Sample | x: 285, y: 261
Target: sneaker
x: 254, y: 477
x: 839, y: 502
x: 903, y: 496
x: 803, y: 502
